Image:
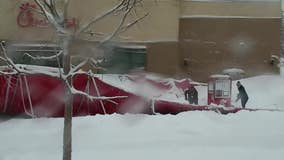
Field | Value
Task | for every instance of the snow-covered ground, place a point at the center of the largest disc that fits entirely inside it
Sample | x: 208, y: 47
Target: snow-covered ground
x: 190, y: 135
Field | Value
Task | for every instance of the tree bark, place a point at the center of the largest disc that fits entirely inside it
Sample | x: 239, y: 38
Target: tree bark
x: 67, y: 133
x: 282, y: 30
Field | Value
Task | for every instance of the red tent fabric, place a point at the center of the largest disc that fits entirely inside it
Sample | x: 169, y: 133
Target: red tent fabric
x: 43, y: 96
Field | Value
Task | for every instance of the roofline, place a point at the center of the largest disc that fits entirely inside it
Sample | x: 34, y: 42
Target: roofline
x: 233, y: 17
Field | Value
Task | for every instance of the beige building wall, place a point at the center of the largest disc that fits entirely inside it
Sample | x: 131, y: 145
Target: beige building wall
x: 9, y: 29
x: 158, y: 31
x: 160, y: 25
x: 231, y: 8
x: 167, y: 28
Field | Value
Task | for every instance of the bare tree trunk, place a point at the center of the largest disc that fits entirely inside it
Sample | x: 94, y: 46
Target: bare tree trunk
x: 282, y: 30
x: 282, y: 40
x: 67, y: 134
x: 51, y: 13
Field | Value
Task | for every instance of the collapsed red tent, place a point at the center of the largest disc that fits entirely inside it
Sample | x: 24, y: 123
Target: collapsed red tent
x: 41, y: 95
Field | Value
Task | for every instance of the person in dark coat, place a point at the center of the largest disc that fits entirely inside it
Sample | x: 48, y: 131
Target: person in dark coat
x: 242, y: 94
x: 191, y: 95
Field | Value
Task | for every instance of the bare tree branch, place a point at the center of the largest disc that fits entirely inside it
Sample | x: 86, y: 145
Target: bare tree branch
x: 116, y: 31
x: 100, y: 17
x: 14, y: 68
x: 42, y: 57
x: 79, y: 66
x: 66, y: 4
x: 8, y: 73
x: 3, y: 59
x: 97, y: 67
x: 59, y: 27
x: 75, y: 91
x: 54, y: 12
x: 66, y: 73
x: 6, y: 58
x: 123, y: 29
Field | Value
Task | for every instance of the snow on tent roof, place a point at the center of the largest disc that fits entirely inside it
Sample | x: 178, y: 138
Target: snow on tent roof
x: 233, y: 70
x: 219, y: 76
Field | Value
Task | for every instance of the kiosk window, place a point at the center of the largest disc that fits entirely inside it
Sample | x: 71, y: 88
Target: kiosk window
x: 222, y: 88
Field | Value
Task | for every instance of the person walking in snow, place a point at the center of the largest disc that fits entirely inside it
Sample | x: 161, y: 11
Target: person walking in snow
x: 191, y: 95
x: 242, y: 94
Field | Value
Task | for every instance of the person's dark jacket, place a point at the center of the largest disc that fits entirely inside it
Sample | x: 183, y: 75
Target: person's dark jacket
x: 242, y: 95
x: 191, y: 95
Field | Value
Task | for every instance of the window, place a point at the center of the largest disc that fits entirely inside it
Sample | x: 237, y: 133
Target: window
x: 222, y: 88
x: 122, y: 59
x: 17, y: 52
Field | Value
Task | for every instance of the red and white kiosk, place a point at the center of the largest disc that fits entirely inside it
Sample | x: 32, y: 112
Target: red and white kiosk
x: 219, y: 90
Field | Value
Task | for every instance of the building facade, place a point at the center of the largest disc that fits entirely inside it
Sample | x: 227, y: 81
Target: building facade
x: 180, y: 38
x: 219, y: 35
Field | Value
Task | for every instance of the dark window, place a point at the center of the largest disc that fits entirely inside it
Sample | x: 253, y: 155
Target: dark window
x: 17, y: 52
x: 124, y: 59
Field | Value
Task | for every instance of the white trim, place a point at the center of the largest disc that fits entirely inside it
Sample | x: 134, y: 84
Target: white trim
x: 148, y: 41
x: 33, y: 45
x: 235, y: 17
x: 219, y: 76
x: 231, y: 1
x: 132, y: 46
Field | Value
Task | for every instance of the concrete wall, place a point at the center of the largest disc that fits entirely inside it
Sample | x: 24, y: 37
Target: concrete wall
x: 209, y: 45
x: 215, y: 35
x: 163, y: 57
x: 231, y: 8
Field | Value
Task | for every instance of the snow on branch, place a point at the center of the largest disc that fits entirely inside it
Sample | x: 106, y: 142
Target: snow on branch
x: 56, y: 19
x: 8, y: 73
x: 79, y: 66
x: 21, y: 69
x: 66, y: 4
x: 3, y: 59
x: 50, y: 4
x: 95, y: 63
x: 98, y: 67
x: 110, y: 99
x: 49, y: 13
x: 8, y: 61
x: 43, y: 57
